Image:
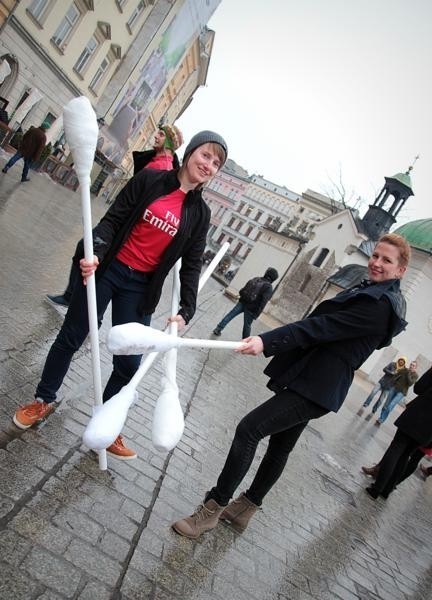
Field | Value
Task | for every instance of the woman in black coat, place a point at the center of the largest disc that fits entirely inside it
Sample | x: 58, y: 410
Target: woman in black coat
x: 414, y: 431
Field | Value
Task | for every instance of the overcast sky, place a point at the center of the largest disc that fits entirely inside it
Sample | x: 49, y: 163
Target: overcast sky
x: 302, y: 89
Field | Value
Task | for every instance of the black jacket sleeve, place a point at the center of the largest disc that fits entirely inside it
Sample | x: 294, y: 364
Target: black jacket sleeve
x: 424, y: 383
x: 360, y: 318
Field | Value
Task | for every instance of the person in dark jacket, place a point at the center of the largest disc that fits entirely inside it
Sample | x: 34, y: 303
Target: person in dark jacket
x: 312, y: 368
x: 161, y: 157
x: 385, y: 383
x: 31, y: 147
x: 402, y: 381
x: 250, y: 304
x: 414, y: 430
x: 157, y: 218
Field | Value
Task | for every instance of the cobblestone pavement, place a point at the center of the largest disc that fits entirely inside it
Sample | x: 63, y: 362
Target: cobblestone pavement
x: 68, y: 530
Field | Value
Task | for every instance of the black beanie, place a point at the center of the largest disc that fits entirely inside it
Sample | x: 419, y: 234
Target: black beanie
x: 271, y: 274
x: 205, y: 137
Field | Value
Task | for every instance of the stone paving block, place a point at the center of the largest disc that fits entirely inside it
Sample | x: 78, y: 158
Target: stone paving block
x: 113, y: 520
x: 95, y: 563
x: 51, y: 571
x: 77, y: 524
x: 39, y: 530
x: 114, y: 546
x: 93, y: 590
x: 136, y: 586
x: 13, y: 547
x: 25, y: 451
x: 16, y: 585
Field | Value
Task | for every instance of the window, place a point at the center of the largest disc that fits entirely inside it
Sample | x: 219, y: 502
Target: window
x: 100, y: 74
x: 320, y: 258
x: 66, y: 26
x: 120, y: 4
x: 136, y: 14
x: 38, y: 9
x: 86, y: 54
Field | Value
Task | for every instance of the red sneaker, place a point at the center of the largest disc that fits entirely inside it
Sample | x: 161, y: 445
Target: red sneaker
x: 32, y: 413
x: 119, y: 450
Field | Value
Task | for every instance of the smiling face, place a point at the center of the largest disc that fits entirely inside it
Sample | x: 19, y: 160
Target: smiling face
x: 385, y: 264
x: 203, y: 164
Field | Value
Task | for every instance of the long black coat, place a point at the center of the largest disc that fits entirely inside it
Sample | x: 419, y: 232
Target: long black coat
x: 416, y: 419
x: 317, y: 356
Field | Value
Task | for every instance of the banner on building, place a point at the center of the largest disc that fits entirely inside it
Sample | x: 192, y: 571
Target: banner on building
x: 140, y: 96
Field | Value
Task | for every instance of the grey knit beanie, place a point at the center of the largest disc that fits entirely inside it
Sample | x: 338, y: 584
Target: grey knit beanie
x: 204, y: 137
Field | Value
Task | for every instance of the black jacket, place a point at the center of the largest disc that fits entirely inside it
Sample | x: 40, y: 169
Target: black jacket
x: 416, y: 419
x: 188, y: 244
x: 317, y: 356
x: 142, y: 158
x: 265, y: 293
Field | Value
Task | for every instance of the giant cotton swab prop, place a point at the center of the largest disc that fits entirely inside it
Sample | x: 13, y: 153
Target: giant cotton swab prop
x: 168, y: 419
x: 81, y: 130
x: 108, y: 420
x: 134, y: 338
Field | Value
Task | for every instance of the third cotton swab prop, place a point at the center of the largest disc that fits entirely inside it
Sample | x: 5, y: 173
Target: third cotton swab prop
x: 108, y: 420
x: 81, y: 131
x: 168, y: 419
x: 134, y: 338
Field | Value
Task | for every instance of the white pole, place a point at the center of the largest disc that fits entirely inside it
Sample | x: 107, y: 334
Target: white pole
x: 81, y: 130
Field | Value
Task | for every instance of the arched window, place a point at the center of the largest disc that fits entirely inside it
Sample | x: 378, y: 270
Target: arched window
x: 321, y: 257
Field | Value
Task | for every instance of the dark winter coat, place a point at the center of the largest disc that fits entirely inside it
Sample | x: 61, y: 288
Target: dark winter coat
x: 265, y: 293
x: 416, y: 419
x: 317, y: 356
x: 387, y: 379
x: 188, y: 244
x: 403, y: 380
x: 32, y: 144
x: 142, y: 158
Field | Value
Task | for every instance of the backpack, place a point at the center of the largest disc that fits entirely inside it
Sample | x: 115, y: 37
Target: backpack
x: 250, y: 292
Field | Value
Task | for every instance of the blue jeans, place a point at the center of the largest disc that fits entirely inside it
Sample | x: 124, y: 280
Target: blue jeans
x: 125, y: 288
x: 283, y: 418
x: 393, y: 399
x: 14, y: 159
x: 237, y: 310
x: 369, y: 399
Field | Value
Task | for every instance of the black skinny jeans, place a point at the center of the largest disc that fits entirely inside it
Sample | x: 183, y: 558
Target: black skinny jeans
x: 124, y: 288
x: 283, y: 417
x: 395, y: 465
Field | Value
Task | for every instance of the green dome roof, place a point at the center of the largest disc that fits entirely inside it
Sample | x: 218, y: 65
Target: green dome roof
x: 403, y: 178
x: 417, y: 233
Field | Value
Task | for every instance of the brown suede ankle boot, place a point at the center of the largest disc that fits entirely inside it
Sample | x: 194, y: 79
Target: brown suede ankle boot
x: 239, y: 512
x: 205, y: 517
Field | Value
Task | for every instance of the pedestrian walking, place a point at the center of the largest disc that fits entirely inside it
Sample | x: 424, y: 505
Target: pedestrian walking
x: 32, y: 144
x: 158, y: 217
x: 310, y: 374
x: 253, y: 298
x: 384, y: 384
x: 402, y: 381
x: 161, y: 157
x: 414, y: 429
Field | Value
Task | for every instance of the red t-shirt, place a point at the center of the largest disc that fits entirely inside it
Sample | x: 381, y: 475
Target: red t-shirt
x: 151, y: 236
x: 161, y: 162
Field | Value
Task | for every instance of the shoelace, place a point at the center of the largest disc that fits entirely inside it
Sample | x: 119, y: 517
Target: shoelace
x: 202, y: 512
x: 33, y: 408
